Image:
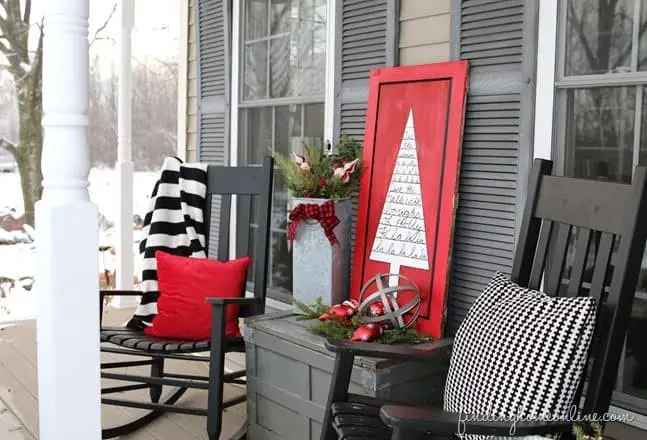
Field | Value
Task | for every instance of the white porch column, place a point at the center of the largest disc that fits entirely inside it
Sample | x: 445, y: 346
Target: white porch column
x: 67, y: 229
x: 125, y: 260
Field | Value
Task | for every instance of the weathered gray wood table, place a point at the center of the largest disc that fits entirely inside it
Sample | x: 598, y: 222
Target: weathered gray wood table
x: 288, y: 377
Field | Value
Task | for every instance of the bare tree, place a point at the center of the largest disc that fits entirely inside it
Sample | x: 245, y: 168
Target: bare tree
x: 25, y: 67
x: 154, y: 114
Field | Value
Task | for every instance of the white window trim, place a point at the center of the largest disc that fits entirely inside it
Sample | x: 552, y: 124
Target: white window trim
x: 235, y: 82
x: 545, y: 88
x: 183, y: 75
x: 233, y: 114
x: 331, y: 67
x: 329, y: 93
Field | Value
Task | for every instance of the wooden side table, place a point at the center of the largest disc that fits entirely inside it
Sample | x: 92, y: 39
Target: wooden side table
x: 289, y: 371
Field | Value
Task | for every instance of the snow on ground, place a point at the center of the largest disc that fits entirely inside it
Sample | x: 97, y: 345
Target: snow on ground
x: 19, y: 260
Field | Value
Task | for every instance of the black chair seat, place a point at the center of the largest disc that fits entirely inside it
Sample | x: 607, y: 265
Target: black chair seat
x: 361, y: 421
x: 137, y: 340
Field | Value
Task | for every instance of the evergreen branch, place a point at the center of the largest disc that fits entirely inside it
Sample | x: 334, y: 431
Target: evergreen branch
x: 316, y: 179
x: 335, y: 329
x: 309, y: 312
x: 340, y: 329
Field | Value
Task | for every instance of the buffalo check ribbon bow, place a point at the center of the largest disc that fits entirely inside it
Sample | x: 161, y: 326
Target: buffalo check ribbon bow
x: 324, y: 214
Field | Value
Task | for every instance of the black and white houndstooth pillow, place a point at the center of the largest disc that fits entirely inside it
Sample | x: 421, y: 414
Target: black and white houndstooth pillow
x: 519, y: 352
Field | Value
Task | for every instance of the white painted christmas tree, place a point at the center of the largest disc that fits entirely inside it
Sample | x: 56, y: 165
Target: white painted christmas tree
x: 400, y: 239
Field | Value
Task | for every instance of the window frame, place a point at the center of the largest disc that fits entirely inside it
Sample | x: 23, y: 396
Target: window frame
x: 565, y: 82
x: 238, y: 103
x: 268, y: 101
x: 562, y: 85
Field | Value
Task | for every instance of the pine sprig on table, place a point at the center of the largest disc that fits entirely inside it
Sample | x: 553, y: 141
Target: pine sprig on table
x: 335, y: 329
x: 311, y: 312
x: 402, y: 336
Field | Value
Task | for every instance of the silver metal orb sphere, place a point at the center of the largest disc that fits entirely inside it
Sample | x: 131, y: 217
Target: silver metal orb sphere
x: 378, y: 294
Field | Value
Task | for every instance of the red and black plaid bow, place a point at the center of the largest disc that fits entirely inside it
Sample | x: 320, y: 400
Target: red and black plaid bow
x: 324, y: 214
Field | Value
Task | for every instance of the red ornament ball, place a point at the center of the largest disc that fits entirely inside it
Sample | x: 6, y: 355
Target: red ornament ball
x: 368, y: 332
x: 377, y: 308
x: 343, y: 312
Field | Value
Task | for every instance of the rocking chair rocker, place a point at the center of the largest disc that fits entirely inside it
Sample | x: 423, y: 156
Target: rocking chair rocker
x: 244, y: 182
x: 603, y: 215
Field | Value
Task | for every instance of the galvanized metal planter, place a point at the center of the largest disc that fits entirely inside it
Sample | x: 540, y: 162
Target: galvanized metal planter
x: 319, y: 269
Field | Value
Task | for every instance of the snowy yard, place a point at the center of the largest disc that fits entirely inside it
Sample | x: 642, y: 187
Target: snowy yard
x: 19, y: 260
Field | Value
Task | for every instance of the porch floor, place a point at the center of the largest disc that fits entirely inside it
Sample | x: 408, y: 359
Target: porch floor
x: 19, y: 390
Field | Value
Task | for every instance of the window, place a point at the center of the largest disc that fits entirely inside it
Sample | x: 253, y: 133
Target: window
x: 602, y: 130
x: 281, y: 95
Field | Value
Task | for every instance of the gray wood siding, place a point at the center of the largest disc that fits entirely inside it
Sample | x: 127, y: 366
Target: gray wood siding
x: 498, y: 37
x: 424, y: 31
x: 366, y: 40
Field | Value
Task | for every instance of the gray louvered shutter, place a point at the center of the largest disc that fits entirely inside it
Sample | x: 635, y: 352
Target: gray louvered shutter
x: 213, y: 37
x: 498, y: 37
x: 367, y: 39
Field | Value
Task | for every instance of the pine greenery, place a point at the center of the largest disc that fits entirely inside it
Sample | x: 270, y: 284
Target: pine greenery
x: 335, y: 329
x: 592, y: 431
x: 319, y: 181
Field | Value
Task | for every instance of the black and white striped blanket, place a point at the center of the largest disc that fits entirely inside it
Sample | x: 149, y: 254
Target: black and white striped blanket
x: 174, y: 224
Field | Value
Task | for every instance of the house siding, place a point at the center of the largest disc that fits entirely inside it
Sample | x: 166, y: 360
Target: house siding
x: 424, y: 31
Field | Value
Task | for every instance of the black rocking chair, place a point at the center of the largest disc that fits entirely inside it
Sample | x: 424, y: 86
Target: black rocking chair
x: 608, y: 222
x: 244, y: 183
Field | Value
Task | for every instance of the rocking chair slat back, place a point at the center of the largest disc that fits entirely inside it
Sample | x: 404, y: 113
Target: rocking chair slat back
x: 600, y: 277
x: 537, y: 269
x: 223, y: 228
x: 582, y: 249
x: 244, y: 220
x: 553, y: 278
x: 246, y: 183
x: 605, y: 224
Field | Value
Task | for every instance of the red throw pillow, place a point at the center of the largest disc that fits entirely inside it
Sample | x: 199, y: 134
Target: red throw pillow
x: 184, y: 283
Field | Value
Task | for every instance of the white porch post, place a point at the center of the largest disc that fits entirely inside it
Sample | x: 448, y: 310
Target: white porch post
x: 67, y: 227
x: 125, y: 261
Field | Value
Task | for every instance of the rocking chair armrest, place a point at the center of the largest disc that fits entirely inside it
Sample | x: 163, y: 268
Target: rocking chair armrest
x: 418, y: 352
x: 439, y: 422
x: 239, y: 301
x: 103, y: 293
x: 248, y: 305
